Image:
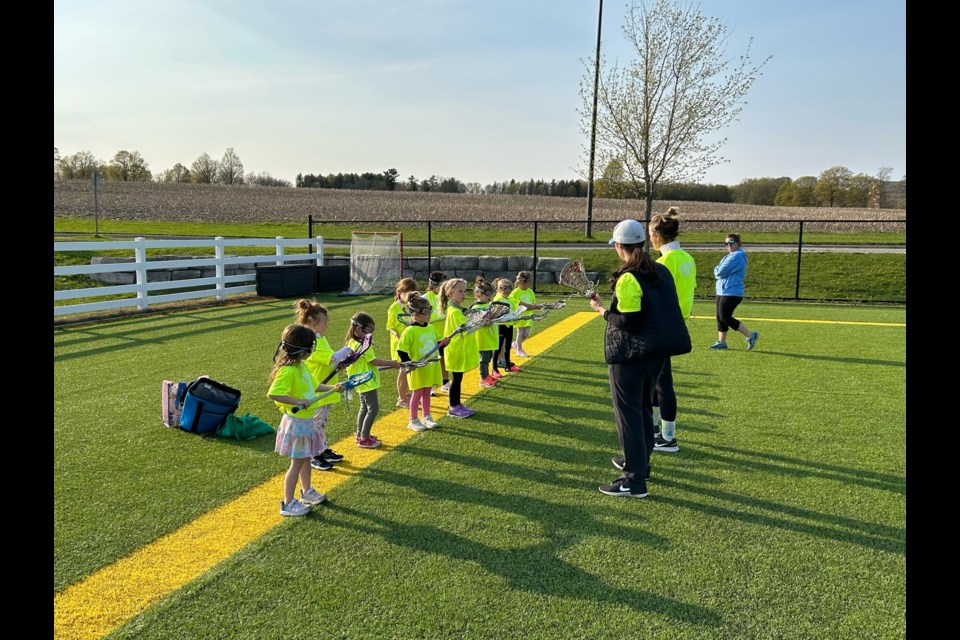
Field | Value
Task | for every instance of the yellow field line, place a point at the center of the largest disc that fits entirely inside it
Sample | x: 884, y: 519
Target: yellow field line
x: 795, y: 321
x: 106, y: 599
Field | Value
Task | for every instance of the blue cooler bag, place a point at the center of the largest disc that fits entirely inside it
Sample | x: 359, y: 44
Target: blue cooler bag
x: 206, y: 405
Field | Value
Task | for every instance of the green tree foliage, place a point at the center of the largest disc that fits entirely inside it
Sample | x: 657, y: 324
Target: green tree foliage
x: 657, y: 113
x: 177, y: 173
x: 412, y: 183
x: 230, y: 169
x: 832, y: 185
x: 390, y: 177
x: 79, y: 166
x: 128, y: 166
x: 762, y: 191
x: 613, y: 182
x: 203, y: 170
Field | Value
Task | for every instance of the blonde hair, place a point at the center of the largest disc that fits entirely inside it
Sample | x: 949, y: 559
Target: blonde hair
x: 405, y: 285
x: 445, y: 289
x: 308, y: 310
x: 667, y: 225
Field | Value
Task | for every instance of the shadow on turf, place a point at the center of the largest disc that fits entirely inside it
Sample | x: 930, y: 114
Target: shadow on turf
x: 536, y: 568
x: 845, y: 360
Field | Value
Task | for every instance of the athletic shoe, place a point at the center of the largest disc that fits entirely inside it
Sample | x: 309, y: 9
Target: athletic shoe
x: 433, y: 393
x: 718, y: 345
x: 294, y: 508
x: 459, y: 411
x: 488, y: 382
x: 501, y: 364
x: 626, y: 488
x: 670, y: 446
x: 445, y: 388
x: 402, y: 404
x: 619, y: 464
x: 416, y: 425
x: 368, y: 443
x: 513, y: 345
x: 514, y: 369
x: 429, y: 422
x: 331, y: 456
x: 496, y: 375
x: 312, y: 496
x: 752, y: 340
x: 320, y: 464
x: 520, y: 353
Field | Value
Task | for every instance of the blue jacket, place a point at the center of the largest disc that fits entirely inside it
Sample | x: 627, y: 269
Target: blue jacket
x: 730, y: 274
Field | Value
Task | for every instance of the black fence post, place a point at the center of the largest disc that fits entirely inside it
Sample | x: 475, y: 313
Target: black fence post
x: 535, y: 256
x: 310, y: 231
x: 429, y: 248
x: 796, y: 293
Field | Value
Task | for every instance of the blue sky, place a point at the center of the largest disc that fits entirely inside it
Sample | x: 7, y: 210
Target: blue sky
x: 477, y: 90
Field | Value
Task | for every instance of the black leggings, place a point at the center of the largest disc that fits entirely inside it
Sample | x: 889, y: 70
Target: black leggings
x: 456, y: 380
x: 666, y: 397
x: 725, y: 307
x: 506, y: 337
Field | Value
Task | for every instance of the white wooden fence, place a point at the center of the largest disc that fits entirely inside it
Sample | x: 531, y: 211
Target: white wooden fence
x: 215, y: 286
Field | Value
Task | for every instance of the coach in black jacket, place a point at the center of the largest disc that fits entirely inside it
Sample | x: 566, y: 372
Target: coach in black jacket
x: 644, y: 327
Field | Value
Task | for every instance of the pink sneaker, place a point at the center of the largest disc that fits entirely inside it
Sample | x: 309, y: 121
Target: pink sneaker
x: 514, y: 369
x: 368, y: 443
x: 489, y: 381
x: 496, y: 375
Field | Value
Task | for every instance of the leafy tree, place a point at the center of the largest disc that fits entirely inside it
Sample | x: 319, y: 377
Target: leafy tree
x: 412, y: 183
x: 831, y: 186
x: 762, y: 191
x: 230, y: 170
x: 860, y: 189
x: 178, y: 173
x: 656, y: 113
x: 390, y: 177
x: 883, y: 177
x: 128, y: 166
x: 204, y: 170
x: 613, y: 183
x: 80, y: 165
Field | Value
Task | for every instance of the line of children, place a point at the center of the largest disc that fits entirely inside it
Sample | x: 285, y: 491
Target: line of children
x: 361, y: 324
x: 487, y: 336
x: 300, y: 438
x: 461, y: 354
x: 321, y: 363
x: 405, y: 288
x: 416, y: 341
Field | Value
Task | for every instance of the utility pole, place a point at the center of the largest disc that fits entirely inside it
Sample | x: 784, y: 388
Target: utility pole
x: 593, y: 127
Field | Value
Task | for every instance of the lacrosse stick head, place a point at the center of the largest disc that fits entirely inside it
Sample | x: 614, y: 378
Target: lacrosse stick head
x: 497, y: 309
x: 405, y: 319
x: 573, y: 275
x: 357, y: 379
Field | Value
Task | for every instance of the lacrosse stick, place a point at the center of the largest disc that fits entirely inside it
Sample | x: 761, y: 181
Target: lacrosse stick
x: 351, y: 382
x: 413, y: 364
x: 405, y: 319
x: 573, y: 275
x: 559, y: 304
x: 473, y: 322
x: 365, y: 344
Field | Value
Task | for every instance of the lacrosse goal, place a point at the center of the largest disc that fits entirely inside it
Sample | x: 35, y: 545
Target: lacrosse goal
x: 376, y: 262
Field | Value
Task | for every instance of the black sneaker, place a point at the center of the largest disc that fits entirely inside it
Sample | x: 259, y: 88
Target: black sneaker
x: 670, y: 446
x: 331, y: 456
x: 619, y: 464
x: 626, y: 488
x: 320, y: 464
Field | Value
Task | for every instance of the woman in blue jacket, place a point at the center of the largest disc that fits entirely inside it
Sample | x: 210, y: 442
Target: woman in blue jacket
x: 730, y: 274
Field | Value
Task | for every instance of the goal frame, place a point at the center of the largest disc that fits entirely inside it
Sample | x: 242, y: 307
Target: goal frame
x: 358, y: 281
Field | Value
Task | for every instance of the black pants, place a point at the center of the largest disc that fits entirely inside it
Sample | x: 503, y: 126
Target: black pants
x: 456, y: 381
x: 632, y: 386
x: 506, y: 337
x: 725, y: 307
x: 666, y: 397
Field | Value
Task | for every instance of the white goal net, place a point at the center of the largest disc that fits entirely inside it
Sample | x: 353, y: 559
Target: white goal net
x: 376, y: 260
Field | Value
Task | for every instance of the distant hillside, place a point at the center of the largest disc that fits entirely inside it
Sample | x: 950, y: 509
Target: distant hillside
x: 221, y: 203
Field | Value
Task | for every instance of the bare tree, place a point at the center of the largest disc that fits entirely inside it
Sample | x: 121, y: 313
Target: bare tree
x: 655, y: 114
x: 203, y: 170
x: 80, y: 165
x: 883, y: 177
x: 231, y: 169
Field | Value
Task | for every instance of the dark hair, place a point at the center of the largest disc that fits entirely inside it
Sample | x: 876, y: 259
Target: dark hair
x: 637, y: 260
x: 483, y: 286
x: 416, y: 302
x: 735, y: 237
x: 295, y: 346
x: 667, y: 225
x: 307, y: 310
x: 359, y: 319
x: 435, y: 278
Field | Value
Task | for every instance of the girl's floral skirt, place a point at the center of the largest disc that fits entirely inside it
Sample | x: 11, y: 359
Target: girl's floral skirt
x: 298, y: 437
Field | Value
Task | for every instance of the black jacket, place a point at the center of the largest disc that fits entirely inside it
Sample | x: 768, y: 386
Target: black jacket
x: 656, y: 331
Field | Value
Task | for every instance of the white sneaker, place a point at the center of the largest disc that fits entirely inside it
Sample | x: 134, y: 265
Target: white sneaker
x: 294, y: 508
x: 520, y: 353
x: 312, y: 496
x: 429, y: 422
x: 513, y: 345
x: 445, y: 388
x: 416, y: 425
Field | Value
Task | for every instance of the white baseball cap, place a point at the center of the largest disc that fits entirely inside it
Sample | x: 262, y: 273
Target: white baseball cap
x: 628, y: 232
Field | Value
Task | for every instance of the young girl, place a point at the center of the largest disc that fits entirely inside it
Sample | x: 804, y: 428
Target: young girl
x: 437, y: 319
x: 487, y: 337
x: 301, y: 438
x: 361, y: 324
x: 526, y: 298
x: 321, y: 363
x: 417, y: 340
x: 505, y: 331
x: 461, y: 353
x: 405, y: 287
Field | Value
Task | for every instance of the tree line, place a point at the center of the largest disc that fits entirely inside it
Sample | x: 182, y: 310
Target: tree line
x: 836, y: 186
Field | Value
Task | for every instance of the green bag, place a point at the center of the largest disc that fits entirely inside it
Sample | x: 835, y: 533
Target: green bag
x: 245, y: 427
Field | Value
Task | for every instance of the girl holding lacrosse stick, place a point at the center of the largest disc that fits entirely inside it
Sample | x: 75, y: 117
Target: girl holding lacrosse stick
x: 362, y: 324
x: 505, y: 329
x: 664, y: 229
x: 405, y: 287
x: 418, y: 340
x: 291, y: 387
x: 461, y: 354
x: 321, y: 363
x: 487, y: 336
x: 644, y: 327
x: 526, y: 298
x: 438, y: 320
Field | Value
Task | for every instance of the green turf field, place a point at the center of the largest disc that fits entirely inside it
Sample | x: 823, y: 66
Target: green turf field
x: 782, y: 516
